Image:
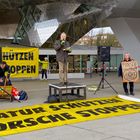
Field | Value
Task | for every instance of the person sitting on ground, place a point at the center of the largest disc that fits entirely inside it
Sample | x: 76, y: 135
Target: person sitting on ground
x: 4, y: 74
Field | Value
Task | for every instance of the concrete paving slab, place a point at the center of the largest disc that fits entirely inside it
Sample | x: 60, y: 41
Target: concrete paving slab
x: 60, y: 133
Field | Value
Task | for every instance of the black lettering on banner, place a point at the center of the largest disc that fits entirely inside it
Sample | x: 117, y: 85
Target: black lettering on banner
x: 101, y: 102
x: 26, y: 112
x: 84, y: 104
x: 112, y: 109
x: 126, y: 107
x: 28, y: 69
x: 42, y: 119
x: 64, y: 106
x: 33, y: 69
x: 16, y: 55
x: 93, y: 112
x: 21, y: 56
x: 56, y: 118
x: 4, y: 56
x: 87, y: 113
x: 122, y: 107
x: 30, y: 122
x: 73, y: 105
x: 3, y: 115
x: 16, y: 124
x: 18, y: 68
x: 96, y: 102
x: 84, y: 113
x: 107, y: 101
x: 54, y: 108
x: 115, y: 101
x: 102, y: 110
x: 39, y: 110
x: 25, y: 56
x: 31, y: 56
x: 134, y: 106
x: 68, y: 116
x: 12, y: 113
x: 11, y: 56
x: 3, y: 126
x: 92, y: 102
x: 23, y: 69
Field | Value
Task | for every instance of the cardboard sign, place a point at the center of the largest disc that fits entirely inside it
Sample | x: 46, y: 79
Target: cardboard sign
x: 130, y: 71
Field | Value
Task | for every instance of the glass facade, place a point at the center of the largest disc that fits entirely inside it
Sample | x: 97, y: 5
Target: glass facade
x: 79, y: 63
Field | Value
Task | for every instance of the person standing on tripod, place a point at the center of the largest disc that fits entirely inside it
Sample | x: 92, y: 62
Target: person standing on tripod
x: 62, y: 48
x: 127, y: 58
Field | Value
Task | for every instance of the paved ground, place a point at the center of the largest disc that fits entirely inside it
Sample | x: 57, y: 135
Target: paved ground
x: 116, y: 128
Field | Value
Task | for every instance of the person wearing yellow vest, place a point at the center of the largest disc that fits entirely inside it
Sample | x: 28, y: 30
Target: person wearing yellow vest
x: 44, y: 69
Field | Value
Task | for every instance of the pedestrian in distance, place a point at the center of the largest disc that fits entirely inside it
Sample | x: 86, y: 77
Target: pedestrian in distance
x: 44, y: 68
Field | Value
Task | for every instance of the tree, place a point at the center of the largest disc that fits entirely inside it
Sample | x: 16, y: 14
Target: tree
x: 106, y: 40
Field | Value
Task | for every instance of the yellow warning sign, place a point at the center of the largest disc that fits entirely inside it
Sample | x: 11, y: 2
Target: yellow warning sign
x: 43, y: 116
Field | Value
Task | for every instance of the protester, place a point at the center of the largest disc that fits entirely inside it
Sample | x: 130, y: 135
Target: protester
x: 127, y: 58
x: 4, y: 74
x: 44, y: 68
x: 62, y: 48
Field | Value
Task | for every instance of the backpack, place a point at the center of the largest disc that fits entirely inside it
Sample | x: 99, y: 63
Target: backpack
x: 23, y: 95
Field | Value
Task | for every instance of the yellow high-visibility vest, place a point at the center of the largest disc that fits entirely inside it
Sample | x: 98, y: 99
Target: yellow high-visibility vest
x: 45, y: 64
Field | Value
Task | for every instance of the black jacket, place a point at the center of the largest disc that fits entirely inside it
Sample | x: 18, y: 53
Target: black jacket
x: 2, y: 71
x: 120, y: 71
x: 59, y: 47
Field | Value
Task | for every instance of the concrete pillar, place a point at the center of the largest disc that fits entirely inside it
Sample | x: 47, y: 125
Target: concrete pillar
x: 81, y: 64
x: 127, y: 31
